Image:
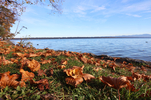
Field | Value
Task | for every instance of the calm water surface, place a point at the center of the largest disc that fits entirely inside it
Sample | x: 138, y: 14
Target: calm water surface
x: 136, y: 48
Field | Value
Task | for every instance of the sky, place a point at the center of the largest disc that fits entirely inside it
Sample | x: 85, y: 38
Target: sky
x: 86, y: 18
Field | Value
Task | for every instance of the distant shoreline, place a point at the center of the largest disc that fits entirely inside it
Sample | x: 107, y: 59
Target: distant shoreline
x: 74, y: 37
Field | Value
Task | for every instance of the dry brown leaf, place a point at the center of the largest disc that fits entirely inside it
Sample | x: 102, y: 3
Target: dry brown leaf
x: 87, y: 77
x: 84, y: 59
x: 50, y: 72
x: 45, y: 61
x: 41, y: 84
x: 25, y: 76
x: 97, y: 69
x: 14, y: 60
x: 61, y: 66
x: 32, y: 55
x: 41, y: 72
x: 18, y: 54
x: 67, y: 54
x: 146, y: 77
x: 143, y: 69
x: 76, y: 75
x: 116, y: 83
x: 75, y: 70
x: 74, y: 81
x: 24, y: 61
x: 8, y: 80
x: 137, y: 76
x: 34, y: 65
x: 64, y: 62
x: 4, y: 61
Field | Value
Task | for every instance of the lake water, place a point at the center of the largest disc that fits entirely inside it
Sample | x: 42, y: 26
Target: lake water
x: 136, y: 48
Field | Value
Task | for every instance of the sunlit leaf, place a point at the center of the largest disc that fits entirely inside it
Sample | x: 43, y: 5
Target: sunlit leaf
x: 8, y: 80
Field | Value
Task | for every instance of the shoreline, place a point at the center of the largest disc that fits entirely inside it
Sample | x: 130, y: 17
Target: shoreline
x: 121, y: 59
x: 74, y: 38
x: 106, y: 57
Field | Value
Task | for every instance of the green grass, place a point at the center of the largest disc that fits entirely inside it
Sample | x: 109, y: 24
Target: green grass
x: 93, y: 90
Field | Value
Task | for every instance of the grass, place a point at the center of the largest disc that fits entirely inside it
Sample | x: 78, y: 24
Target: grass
x: 58, y: 89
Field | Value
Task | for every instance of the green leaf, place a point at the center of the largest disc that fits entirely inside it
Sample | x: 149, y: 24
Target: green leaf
x: 6, y: 88
x: 18, y: 88
x: 38, y: 97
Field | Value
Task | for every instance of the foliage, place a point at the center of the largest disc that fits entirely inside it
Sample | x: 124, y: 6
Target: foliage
x: 10, y: 10
x: 2, y: 31
x: 48, y: 74
x: 18, y: 8
x: 7, y: 18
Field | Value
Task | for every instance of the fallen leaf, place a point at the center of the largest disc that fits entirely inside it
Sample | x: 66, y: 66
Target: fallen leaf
x: 24, y: 61
x: 8, y: 80
x: 75, y: 70
x: 61, y: 66
x: 41, y: 72
x: 84, y: 59
x: 116, y: 83
x: 4, y: 61
x: 34, y: 65
x: 50, y: 72
x: 74, y: 81
x: 41, y: 84
x: 64, y: 62
x: 45, y: 61
x: 76, y: 76
x: 87, y: 77
x: 137, y: 76
x: 97, y: 69
x: 143, y: 69
x: 32, y: 55
x: 25, y: 77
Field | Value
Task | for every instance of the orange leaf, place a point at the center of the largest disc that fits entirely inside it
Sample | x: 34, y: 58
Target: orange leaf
x: 45, y: 61
x: 32, y: 55
x: 75, y: 70
x: 34, y: 65
x: 41, y: 84
x: 74, y: 81
x: 24, y: 61
x: 88, y: 77
x: 97, y: 69
x: 41, y: 72
x: 4, y: 61
x: 143, y: 69
x: 116, y: 83
x: 83, y: 59
x: 137, y: 76
x: 25, y: 76
x: 8, y: 80
x: 61, y: 66
x: 19, y: 54
x: 64, y: 62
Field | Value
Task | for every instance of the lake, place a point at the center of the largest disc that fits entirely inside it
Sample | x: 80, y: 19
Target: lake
x: 135, y: 48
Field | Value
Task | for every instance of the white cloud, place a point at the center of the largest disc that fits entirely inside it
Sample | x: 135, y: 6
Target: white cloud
x: 134, y: 15
x: 141, y: 6
x: 80, y: 10
x: 97, y: 8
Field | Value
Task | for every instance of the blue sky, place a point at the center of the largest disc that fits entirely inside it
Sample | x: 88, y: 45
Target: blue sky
x: 87, y: 18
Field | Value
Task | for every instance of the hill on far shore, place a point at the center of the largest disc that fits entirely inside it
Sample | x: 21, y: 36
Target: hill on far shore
x: 139, y: 35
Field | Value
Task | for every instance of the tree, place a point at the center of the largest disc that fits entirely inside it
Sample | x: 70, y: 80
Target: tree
x: 7, y: 18
x: 17, y: 5
x: 2, y: 32
x: 11, y: 9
